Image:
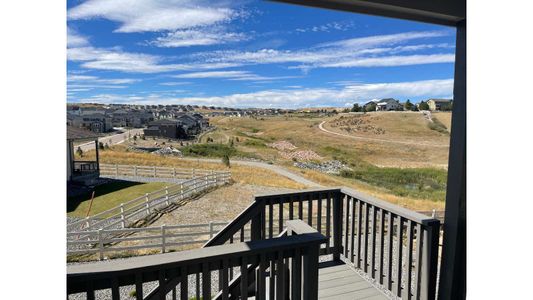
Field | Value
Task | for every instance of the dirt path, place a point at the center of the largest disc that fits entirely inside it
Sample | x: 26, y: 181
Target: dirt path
x: 321, y: 127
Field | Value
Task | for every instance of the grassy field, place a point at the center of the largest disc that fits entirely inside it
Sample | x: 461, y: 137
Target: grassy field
x: 240, y: 174
x: 251, y: 135
x: 411, y: 175
x: 110, y: 195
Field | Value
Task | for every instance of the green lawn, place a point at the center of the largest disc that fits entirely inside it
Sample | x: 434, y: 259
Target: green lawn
x: 110, y: 195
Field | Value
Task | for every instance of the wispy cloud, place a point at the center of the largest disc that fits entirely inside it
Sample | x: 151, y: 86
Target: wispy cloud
x: 290, y: 98
x: 74, y: 39
x: 231, y: 75
x: 197, y: 37
x: 96, y: 79
x: 373, y: 51
x: 117, y: 60
x: 327, y: 27
x: 153, y: 15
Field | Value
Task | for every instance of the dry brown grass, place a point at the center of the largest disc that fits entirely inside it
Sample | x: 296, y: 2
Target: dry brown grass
x: 305, y: 134
x: 240, y: 174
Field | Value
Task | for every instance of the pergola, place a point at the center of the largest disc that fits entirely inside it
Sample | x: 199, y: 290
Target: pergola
x: 452, y: 284
x: 81, y: 171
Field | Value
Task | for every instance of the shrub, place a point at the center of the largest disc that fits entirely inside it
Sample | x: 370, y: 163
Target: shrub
x: 79, y: 152
x: 210, y: 150
x: 438, y: 126
x: 225, y: 160
x: 100, y: 145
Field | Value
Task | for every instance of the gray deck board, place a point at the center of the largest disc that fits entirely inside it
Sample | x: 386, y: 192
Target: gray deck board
x: 340, y: 282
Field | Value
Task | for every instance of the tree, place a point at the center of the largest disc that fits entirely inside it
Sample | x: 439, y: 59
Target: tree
x: 423, y: 106
x: 371, y: 107
x: 408, y: 105
x: 447, y: 107
x: 356, y: 108
x: 79, y: 152
x: 225, y: 160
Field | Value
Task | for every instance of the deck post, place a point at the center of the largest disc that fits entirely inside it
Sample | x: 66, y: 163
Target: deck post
x: 452, y: 283
x: 310, y: 272
x: 337, y: 226
x: 256, y: 223
x: 430, y: 254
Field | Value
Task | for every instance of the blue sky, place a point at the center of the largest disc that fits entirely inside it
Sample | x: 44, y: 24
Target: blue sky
x: 249, y: 54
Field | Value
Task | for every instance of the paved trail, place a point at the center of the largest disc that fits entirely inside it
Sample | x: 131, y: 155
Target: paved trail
x: 112, y: 139
x: 275, y: 168
x: 321, y: 127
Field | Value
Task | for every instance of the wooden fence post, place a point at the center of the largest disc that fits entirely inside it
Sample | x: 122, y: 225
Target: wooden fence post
x: 155, y: 172
x: 116, y: 170
x: 181, y: 191
x: 163, y: 238
x: 122, y: 215
x: 87, y: 223
x: 135, y: 171
x: 147, y: 204
x: 174, y: 173
x: 100, y: 244
x: 193, y: 173
x: 166, y: 196
x: 210, y: 229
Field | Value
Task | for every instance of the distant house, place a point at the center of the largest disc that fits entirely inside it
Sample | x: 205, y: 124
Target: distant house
x: 438, y: 104
x: 172, y: 129
x: 388, y: 104
x: 370, y: 103
x: 95, y: 122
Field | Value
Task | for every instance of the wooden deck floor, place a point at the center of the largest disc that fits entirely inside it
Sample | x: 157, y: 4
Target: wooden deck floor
x: 339, y: 282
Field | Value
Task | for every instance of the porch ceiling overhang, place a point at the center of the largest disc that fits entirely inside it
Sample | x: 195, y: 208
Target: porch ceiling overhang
x: 443, y: 12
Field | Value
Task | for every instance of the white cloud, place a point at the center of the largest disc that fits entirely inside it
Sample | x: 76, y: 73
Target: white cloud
x: 74, y: 39
x: 231, y: 75
x: 328, y: 27
x: 374, y: 51
x: 290, y: 98
x: 153, y: 15
x: 117, y: 60
x: 95, y: 79
x: 197, y: 37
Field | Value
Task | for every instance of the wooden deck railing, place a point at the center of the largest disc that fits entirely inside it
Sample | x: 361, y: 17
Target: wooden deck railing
x: 289, y: 261
x: 395, y: 247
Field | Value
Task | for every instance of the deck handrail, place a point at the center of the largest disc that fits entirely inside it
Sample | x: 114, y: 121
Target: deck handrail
x: 174, y: 269
x: 372, y: 235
